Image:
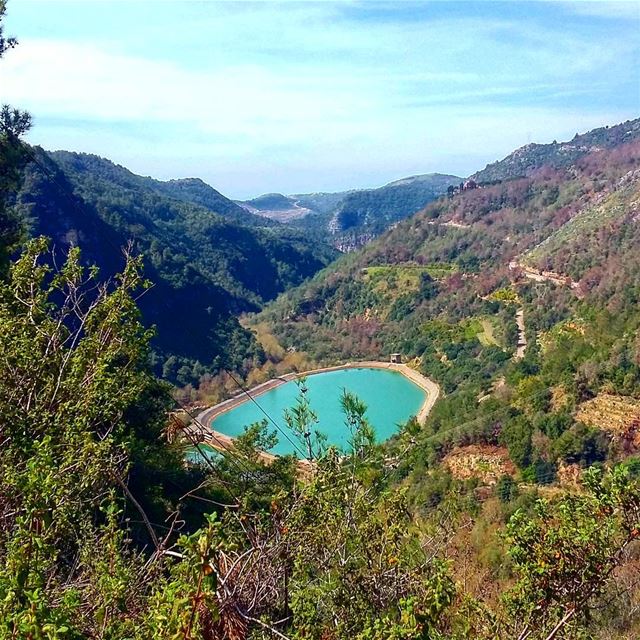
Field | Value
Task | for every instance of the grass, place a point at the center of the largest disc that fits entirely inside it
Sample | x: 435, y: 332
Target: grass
x: 407, y: 276
x: 487, y: 335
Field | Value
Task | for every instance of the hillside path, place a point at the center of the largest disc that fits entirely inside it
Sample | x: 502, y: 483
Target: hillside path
x: 543, y: 276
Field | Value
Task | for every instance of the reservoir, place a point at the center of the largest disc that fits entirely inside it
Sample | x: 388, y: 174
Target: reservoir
x: 391, y: 400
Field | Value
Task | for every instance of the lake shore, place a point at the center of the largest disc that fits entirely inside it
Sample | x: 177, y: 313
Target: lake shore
x: 224, y: 442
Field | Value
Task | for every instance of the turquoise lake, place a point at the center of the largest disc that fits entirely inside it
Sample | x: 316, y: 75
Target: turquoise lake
x: 391, y: 400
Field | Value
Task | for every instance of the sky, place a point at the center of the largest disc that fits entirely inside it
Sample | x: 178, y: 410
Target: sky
x: 297, y: 97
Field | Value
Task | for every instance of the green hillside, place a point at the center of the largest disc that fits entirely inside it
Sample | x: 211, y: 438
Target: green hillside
x: 321, y: 202
x: 598, y: 247
x: 351, y: 219
x: 206, y: 267
x: 271, y: 201
x: 502, y: 312
x: 443, y: 287
x: 364, y: 215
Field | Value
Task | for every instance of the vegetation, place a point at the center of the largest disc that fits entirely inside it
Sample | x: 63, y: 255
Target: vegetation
x: 514, y: 512
x: 86, y: 482
x: 524, y: 161
x: 363, y: 215
x: 387, y: 298
x: 351, y: 219
x: 206, y: 268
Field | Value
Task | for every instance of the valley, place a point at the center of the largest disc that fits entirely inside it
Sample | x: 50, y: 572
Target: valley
x: 508, y: 309
x: 450, y: 289
x: 349, y: 220
x: 254, y: 387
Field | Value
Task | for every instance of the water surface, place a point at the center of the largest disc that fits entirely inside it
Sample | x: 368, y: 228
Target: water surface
x: 391, y: 400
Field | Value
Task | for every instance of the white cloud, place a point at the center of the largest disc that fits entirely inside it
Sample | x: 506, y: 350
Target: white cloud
x: 264, y: 97
x: 605, y: 8
x: 80, y: 80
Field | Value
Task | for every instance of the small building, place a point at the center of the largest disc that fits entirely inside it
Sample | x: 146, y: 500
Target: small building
x: 396, y: 358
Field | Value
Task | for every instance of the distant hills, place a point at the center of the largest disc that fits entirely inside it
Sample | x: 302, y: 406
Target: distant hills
x: 579, y: 219
x: 364, y: 215
x: 351, y: 219
x: 283, y: 208
x: 211, y: 258
x: 195, y: 191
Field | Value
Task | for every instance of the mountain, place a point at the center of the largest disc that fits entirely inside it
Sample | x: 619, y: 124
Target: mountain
x: 581, y: 221
x: 271, y: 202
x: 191, y: 190
x: 198, y: 192
x: 206, y: 267
x: 519, y: 298
x: 523, y: 161
x: 350, y: 219
x: 293, y: 207
x: 275, y: 206
x: 321, y: 202
x: 363, y: 215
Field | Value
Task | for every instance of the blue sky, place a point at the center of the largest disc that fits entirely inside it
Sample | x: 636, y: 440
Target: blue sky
x: 304, y: 96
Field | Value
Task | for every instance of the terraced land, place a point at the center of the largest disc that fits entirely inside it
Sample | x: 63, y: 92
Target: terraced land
x: 609, y: 412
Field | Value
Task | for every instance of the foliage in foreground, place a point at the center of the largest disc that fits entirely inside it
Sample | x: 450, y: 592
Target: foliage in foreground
x: 94, y: 543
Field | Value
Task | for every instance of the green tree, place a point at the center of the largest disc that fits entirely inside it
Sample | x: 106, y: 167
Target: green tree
x: 507, y: 488
x: 302, y: 420
x: 582, y: 444
x: 362, y: 434
x: 13, y: 156
x: 80, y: 417
x: 566, y: 554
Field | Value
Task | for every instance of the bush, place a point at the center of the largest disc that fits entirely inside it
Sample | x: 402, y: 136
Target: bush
x: 507, y: 489
x: 582, y: 444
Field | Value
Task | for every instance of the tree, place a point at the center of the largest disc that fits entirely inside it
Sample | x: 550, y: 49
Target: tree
x: 362, y: 433
x: 301, y: 420
x: 80, y: 420
x: 357, y: 569
x: 5, y: 43
x: 566, y: 554
x: 582, y: 444
x: 13, y: 156
x: 507, y: 488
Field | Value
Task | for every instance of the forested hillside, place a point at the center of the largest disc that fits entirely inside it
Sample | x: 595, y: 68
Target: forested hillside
x: 208, y: 258
x: 521, y: 300
x: 444, y: 287
x: 508, y: 509
x: 364, y: 215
